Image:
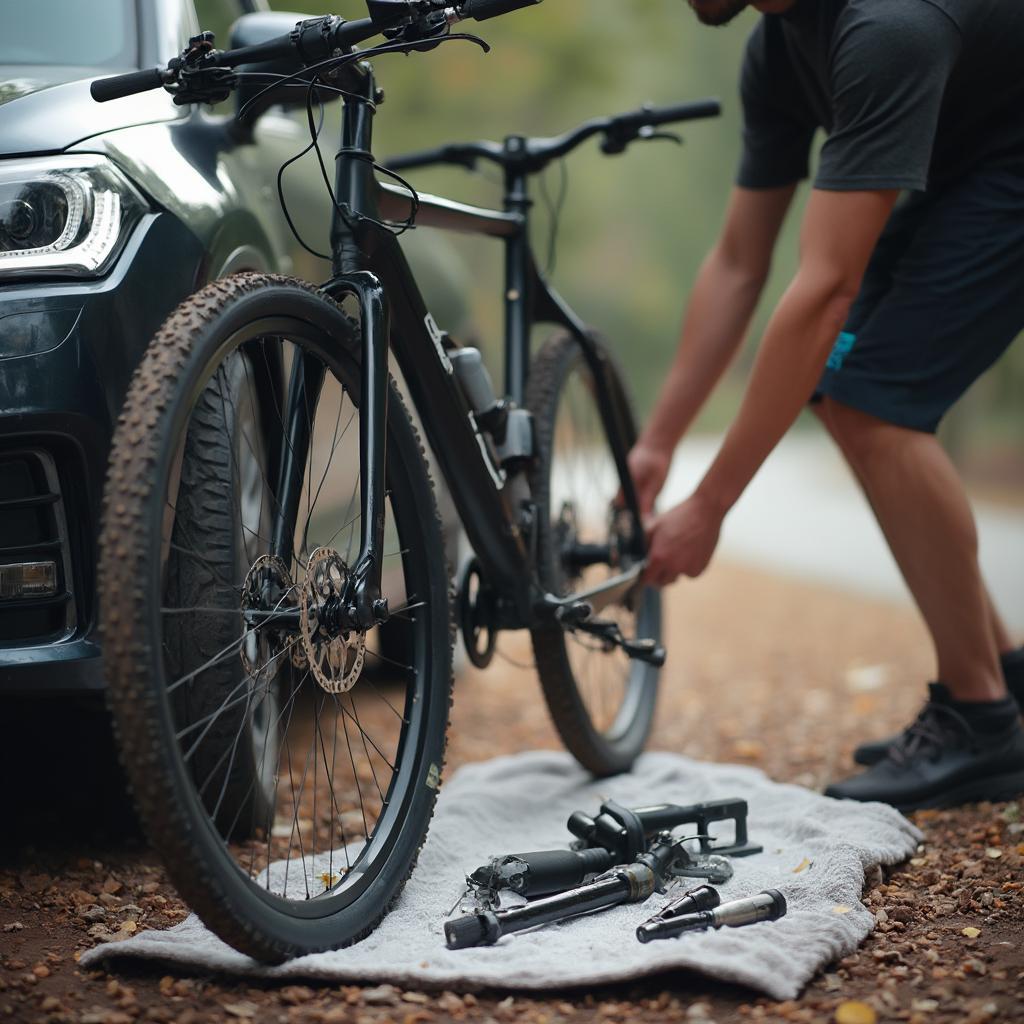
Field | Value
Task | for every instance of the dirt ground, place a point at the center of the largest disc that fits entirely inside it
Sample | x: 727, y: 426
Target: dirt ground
x: 762, y: 670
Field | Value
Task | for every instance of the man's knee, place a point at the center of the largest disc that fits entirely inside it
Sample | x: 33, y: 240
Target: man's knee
x: 861, y: 437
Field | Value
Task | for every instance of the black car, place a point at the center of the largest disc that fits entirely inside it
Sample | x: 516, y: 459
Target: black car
x: 110, y: 214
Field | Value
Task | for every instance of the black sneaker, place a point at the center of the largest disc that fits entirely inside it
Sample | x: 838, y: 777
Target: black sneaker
x: 941, y: 761
x: 1013, y: 672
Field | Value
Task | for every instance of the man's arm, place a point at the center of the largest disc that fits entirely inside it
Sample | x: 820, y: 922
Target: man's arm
x: 717, y: 316
x: 839, y: 232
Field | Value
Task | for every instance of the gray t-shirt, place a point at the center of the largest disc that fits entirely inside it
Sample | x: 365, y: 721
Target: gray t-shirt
x: 912, y: 94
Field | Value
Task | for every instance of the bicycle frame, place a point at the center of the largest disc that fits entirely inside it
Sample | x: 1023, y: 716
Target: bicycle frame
x: 369, y: 265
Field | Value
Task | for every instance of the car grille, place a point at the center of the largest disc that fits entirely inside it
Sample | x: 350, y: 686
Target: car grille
x: 33, y: 529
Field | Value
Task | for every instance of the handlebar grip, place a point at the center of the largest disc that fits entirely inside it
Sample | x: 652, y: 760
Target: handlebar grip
x: 681, y: 112
x: 481, y: 10
x: 104, y: 89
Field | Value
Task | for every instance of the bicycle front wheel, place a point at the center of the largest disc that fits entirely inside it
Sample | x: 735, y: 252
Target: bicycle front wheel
x: 602, y: 703
x: 287, y: 790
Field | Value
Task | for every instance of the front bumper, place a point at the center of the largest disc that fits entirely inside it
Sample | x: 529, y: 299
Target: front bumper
x: 67, y: 352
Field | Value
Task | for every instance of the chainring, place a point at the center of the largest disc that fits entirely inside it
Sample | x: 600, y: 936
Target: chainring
x: 335, y: 658
x: 477, y: 613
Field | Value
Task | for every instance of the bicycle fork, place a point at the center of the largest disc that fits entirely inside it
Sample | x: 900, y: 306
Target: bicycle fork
x: 362, y: 606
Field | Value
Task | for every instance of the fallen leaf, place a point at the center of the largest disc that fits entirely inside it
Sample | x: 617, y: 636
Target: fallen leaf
x: 244, y: 1010
x: 750, y: 749
x: 971, y: 932
x: 853, y: 1012
x: 841, y: 908
x: 329, y: 878
x: 802, y: 866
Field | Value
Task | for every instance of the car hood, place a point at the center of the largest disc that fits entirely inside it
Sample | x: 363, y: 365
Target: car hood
x: 47, y: 109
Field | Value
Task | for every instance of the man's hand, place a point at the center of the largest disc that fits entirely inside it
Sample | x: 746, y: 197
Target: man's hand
x: 682, y: 541
x: 649, y: 466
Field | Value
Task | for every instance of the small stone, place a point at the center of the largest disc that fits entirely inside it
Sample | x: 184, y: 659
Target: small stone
x: 295, y: 994
x: 382, y: 995
x: 415, y: 997
x: 449, y: 1001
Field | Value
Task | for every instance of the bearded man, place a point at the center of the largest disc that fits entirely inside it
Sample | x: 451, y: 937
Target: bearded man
x: 910, y: 285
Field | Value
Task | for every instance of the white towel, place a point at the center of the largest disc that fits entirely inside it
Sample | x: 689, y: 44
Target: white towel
x: 816, y: 851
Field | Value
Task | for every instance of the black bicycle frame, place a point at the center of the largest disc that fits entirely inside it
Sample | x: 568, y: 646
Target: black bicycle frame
x: 369, y: 265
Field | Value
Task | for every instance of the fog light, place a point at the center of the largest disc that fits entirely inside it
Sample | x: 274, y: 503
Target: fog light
x: 28, y: 580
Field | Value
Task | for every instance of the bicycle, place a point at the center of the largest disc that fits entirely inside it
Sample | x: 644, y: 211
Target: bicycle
x: 277, y: 616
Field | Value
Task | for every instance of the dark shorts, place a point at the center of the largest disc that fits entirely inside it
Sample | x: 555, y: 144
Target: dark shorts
x: 942, y: 299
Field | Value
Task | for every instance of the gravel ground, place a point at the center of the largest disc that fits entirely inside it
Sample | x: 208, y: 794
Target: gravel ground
x: 764, y: 671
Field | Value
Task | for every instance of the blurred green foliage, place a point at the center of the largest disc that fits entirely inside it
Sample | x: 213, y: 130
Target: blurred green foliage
x: 635, y: 227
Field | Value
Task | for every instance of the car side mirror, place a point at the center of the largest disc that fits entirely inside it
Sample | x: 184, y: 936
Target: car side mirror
x: 251, y: 30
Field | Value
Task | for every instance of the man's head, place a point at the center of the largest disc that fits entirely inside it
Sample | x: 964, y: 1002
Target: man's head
x: 721, y: 12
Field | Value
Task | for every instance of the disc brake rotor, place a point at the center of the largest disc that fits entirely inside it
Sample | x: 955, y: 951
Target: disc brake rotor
x: 268, y: 576
x: 335, y: 657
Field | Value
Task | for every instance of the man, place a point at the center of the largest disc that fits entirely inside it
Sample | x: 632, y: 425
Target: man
x: 912, y: 256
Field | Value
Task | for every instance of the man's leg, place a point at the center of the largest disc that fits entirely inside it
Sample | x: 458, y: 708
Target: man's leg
x: 1000, y: 633
x: 923, y: 511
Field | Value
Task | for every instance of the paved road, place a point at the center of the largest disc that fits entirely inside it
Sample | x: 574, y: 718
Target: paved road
x: 804, y: 515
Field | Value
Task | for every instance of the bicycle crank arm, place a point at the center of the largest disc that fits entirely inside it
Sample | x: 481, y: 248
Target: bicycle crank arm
x: 599, y: 596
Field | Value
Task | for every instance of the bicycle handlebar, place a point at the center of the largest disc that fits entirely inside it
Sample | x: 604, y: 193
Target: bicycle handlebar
x: 460, y: 154
x: 619, y: 130
x: 311, y: 41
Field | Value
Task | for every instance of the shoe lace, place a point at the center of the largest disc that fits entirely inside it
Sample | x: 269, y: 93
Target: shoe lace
x: 930, y: 733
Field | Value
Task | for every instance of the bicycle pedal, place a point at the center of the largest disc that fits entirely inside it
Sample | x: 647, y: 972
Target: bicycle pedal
x: 574, y: 615
x: 649, y: 651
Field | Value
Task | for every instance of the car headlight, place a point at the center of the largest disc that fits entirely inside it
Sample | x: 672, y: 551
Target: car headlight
x: 65, y: 216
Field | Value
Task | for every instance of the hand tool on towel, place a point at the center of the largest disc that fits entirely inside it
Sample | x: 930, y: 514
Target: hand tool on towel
x: 769, y: 905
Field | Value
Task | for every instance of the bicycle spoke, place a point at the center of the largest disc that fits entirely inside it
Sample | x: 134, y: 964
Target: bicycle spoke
x: 355, y: 773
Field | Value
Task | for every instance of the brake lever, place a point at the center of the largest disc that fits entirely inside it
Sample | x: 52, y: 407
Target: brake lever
x: 649, y: 134
x: 422, y: 34
x: 198, y: 79
x: 617, y: 140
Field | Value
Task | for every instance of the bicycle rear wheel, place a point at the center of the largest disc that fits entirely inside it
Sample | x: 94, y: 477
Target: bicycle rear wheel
x: 287, y: 792
x: 602, y: 703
